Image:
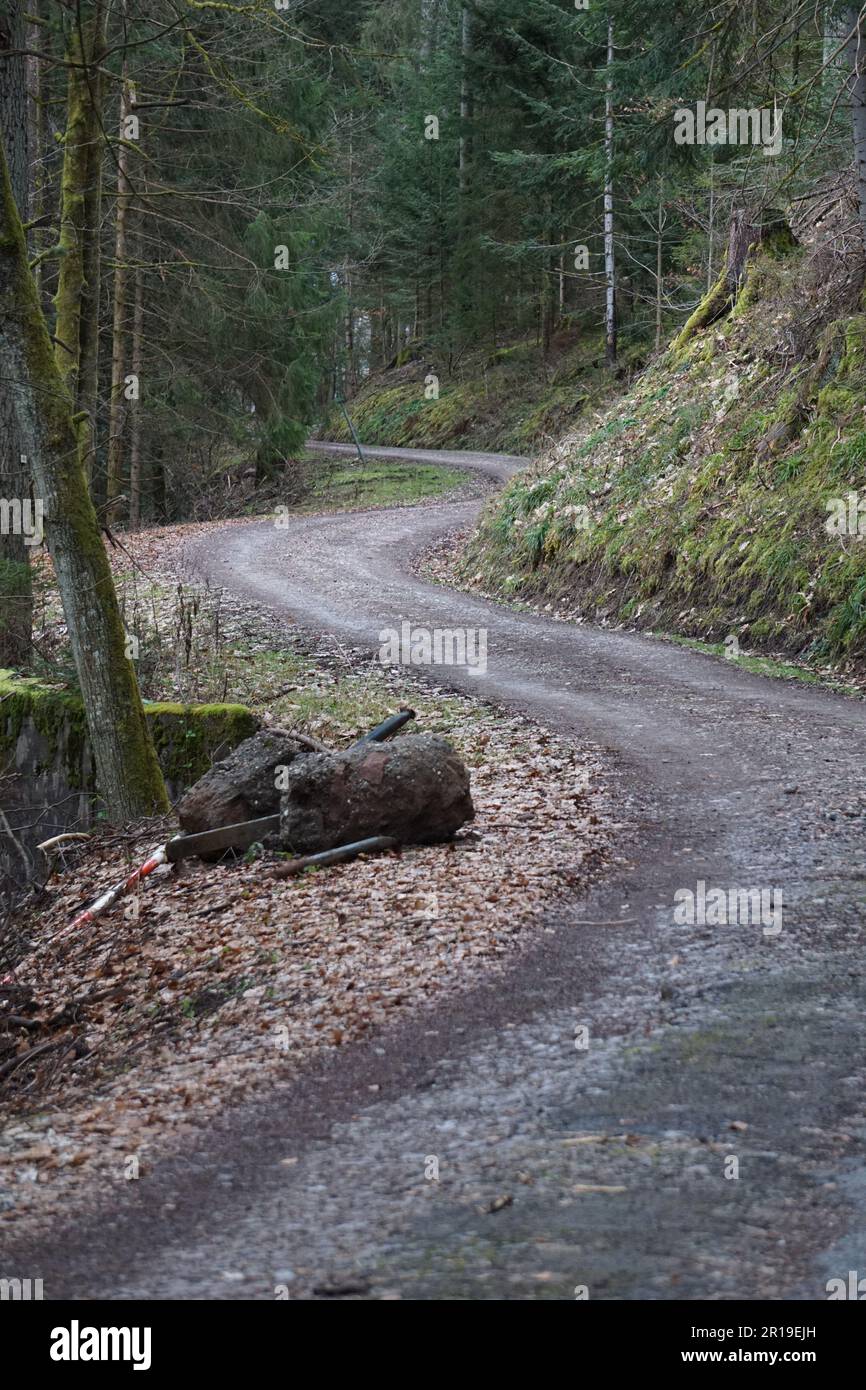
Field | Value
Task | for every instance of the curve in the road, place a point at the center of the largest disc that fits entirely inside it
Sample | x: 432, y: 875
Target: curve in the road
x: 710, y: 1042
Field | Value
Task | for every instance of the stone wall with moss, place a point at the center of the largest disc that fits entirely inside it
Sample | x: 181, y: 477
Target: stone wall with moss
x: 47, y: 774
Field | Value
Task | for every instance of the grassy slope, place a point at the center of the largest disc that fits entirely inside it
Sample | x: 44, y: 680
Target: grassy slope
x: 337, y: 485
x: 510, y: 399
x: 697, y: 503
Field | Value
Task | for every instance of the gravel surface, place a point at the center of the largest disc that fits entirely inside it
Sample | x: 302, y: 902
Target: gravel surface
x: 218, y: 980
x: 640, y: 1107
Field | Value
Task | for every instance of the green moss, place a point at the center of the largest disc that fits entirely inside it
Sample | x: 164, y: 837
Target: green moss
x: 191, y: 738
x: 130, y: 778
x: 56, y: 715
x: 188, y: 738
x: 511, y: 399
x: 376, y: 484
x: 707, y: 488
x: 81, y: 130
x: 762, y: 665
x: 715, y: 303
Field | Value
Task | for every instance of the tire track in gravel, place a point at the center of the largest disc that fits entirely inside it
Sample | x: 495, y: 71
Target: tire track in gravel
x: 707, y: 1043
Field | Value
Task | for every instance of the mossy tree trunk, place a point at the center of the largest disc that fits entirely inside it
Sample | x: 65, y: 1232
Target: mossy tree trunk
x: 746, y: 234
x: 88, y: 339
x: 117, y: 411
x: 16, y: 598
x: 128, y: 774
x: 76, y: 328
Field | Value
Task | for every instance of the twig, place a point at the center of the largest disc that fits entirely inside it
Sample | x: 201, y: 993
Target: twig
x: 306, y: 740
x: 31, y: 1052
x: 61, y: 839
x: 617, y: 922
x: 15, y: 841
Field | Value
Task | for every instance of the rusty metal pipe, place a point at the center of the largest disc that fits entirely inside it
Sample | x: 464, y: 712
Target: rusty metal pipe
x: 333, y: 856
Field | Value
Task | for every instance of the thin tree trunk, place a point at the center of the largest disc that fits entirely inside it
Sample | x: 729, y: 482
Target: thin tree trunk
x: 466, y: 100
x: 711, y: 231
x: 17, y: 440
x: 88, y: 367
x: 379, y: 347
x: 547, y: 293
x: 128, y: 774
x: 659, y: 231
x: 159, y: 487
x: 135, y: 405
x: 856, y: 55
x: 82, y: 162
x: 609, y: 260
x: 350, y: 337
x: 429, y: 30
x: 117, y: 407
x: 43, y: 201
x: 350, y: 308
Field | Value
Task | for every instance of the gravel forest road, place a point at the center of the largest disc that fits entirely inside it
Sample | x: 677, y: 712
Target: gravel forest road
x: 707, y: 1143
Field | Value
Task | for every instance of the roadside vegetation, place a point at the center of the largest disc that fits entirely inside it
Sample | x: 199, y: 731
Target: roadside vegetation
x: 516, y: 399
x: 702, y: 501
x: 345, y: 483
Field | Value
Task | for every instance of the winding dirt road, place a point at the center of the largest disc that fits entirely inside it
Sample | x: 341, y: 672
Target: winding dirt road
x: 709, y: 1141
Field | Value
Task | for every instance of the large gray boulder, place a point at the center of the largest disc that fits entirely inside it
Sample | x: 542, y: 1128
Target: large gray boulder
x: 242, y: 786
x: 415, y: 788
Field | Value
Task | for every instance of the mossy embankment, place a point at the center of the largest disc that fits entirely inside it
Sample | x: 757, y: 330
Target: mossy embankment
x: 719, y: 495
x: 513, y: 399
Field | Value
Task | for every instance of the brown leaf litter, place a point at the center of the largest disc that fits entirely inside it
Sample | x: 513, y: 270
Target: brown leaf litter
x: 217, y: 980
